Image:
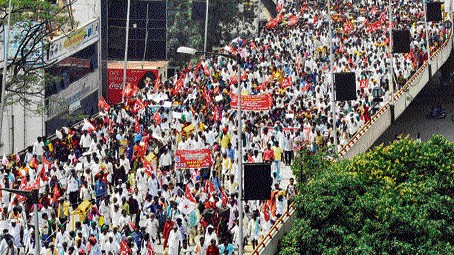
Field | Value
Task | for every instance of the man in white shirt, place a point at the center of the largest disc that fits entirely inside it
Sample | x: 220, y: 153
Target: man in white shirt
x: 38, y: 148
x: 174, y: 240
x: 165, y: 161
x: 152, y: 227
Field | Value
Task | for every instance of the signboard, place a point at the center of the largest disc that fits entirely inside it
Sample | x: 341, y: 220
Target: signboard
x: 252, y: 102
x: 200, y: 158
x: 134, y: 76
x: 67, y: 45
x: 17, y: 45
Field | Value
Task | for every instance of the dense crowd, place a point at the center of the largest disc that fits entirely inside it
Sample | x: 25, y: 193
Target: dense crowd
x: 112, y: 186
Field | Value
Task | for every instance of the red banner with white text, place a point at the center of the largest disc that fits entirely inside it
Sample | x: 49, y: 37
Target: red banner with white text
x: 200, y: 158
x: 252, y: 102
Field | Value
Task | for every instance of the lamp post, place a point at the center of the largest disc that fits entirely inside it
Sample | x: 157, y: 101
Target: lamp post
x: 333, y: 88
x: 33, y: 196
x: 5, y: 68
x: 191, y: 51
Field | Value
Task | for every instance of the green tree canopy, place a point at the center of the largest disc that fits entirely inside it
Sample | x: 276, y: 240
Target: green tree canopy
x: 396, y: 199
x: 33, y: 24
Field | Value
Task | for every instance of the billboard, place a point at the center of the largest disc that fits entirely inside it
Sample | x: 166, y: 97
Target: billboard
x: 80, y: 38
x: 133, y: 76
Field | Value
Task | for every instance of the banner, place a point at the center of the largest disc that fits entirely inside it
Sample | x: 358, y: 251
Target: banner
x: 252, y: 102
x: 133, y: 76
x: 200, y: 158
x: 66, y: 45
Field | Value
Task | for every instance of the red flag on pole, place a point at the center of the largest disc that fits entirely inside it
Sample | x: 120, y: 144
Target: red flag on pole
x: 189, y: 195
x: 157, y: 84
x: 157, y: 118
x: 150, y: 250
x: 124, y: 248
x: 103, y: 105
x: 206, y: 71
x: 287, y: 82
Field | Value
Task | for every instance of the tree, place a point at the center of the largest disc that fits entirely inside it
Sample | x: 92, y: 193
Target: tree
x: 33, y: 24
x: 227, y: 19
x: 391, y: 200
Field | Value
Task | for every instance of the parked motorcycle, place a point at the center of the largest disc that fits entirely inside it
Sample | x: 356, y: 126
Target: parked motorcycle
x: 437, y: 112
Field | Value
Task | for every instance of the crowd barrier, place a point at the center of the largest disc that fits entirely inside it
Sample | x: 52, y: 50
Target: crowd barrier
x: 364, y: 138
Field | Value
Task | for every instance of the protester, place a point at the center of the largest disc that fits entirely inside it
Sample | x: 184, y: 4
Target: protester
x: 116, y: 183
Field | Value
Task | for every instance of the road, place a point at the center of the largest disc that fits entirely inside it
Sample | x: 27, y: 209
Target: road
x: 413, y: 120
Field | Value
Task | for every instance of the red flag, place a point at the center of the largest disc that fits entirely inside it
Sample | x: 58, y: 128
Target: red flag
x: 138, y: 105
x: 249, y: 158
x: 278, y: 8
x: 150, y: 250
x: 244, y: 76
x: 103, y: 105
x: 157, y: 84
x: 262, y: 86
x: 224, y: 197
x: 124, y: 248
x: 199, y: 65
x: 137, y: 125
x: 129, y: 91
x: 287, y: 82
x: 157, y: 118
x: 189, y: 195
x: 88, y: 126
x: 315, y: 18
x: 216, y: 115
x: 46, y: 162
x: 209, y: 187
x: 233, y: 80
x: 292, y: 20
x: 363, y: 83
x: 34, y: 163
x: 149, y: 169
x: 206, y: 71
x: 179, y: 84
x: 266, y: 212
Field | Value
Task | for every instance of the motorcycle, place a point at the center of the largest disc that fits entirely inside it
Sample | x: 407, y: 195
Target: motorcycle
x: 437, y: 112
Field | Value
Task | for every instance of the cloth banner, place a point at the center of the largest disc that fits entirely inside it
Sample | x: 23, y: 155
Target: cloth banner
x: 252, y: 102
x: 200, y: 158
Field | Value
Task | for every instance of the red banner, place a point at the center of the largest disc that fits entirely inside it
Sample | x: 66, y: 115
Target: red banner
x: 133, y: 76
x: 252, y: 102
x: 200, y: 158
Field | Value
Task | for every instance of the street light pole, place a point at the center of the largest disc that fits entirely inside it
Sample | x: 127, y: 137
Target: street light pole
x: 424, y: 3
x: 32, y: 195
x: 5, y: 68
x: 125, y: 61
x: 240, y: 162
x: 333, y: 92
x: 206, y: 26
x: 191, y: 51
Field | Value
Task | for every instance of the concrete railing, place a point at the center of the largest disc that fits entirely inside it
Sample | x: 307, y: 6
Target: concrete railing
x: 371, y: 131
x: 270, y: 242
x: 364, y: 138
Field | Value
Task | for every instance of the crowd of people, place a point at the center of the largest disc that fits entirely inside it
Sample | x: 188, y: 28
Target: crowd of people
x: 111, y: 185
